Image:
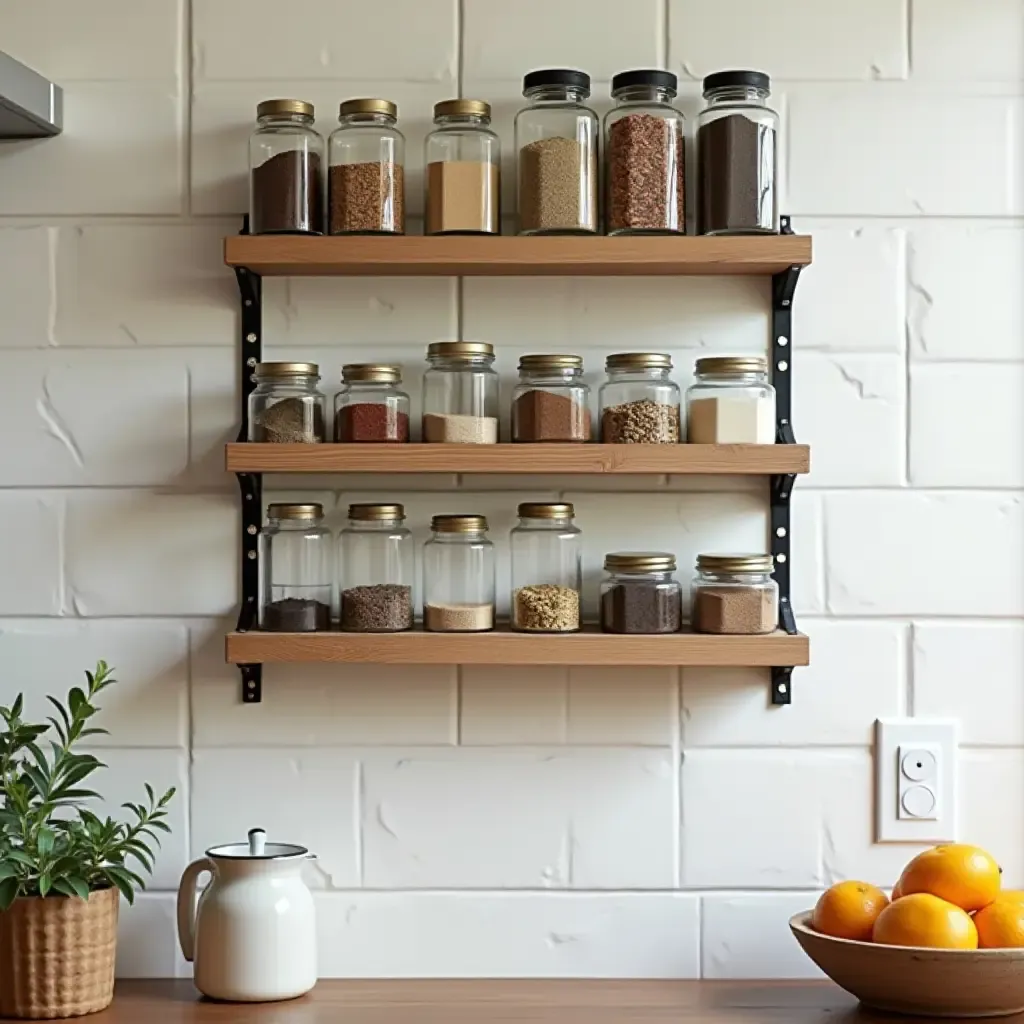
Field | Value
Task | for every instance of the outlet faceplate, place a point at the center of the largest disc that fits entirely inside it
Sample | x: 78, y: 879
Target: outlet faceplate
x: 915, y: 778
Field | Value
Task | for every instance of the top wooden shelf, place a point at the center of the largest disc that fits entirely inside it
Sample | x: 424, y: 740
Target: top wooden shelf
x: 513, y: 256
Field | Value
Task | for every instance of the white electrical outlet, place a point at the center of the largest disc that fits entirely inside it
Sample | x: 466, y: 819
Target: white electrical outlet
x: 915, y: 780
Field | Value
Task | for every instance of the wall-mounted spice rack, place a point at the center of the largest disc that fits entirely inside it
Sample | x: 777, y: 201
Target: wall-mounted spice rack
x: 780, y: 256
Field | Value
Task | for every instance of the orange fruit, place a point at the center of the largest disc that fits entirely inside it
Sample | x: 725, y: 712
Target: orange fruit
x: 965, y: 876
x: 1001, y: 924
x: 924, y: 920
x: 848, y: 910
x: 897, y: 892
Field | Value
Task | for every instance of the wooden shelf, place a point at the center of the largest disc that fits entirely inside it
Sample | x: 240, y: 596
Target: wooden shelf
x: 503, y: 647
x: 511, y: 256
x: 703, y: 459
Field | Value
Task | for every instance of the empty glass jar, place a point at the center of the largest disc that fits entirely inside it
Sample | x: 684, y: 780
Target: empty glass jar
x: 463, y: 159
x: 371, y: 407
x: 556, y: 151
x: 546, y: 549
x: 737, y: 156
x: 366, y: 186
x: 551, y: 402
x: 644, y: 137
x: 296, y: 578
x: 460, y: 393
x: 731, y: 402
x: 640, y: 593
x: 286, y: 407
x: 376, y: 570
x: 458, y: 576
x: 735, y: 594
x: 639, y: 401
x: 286, y: 166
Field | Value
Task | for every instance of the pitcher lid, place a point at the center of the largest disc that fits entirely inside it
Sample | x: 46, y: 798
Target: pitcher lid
x: 257, y: 848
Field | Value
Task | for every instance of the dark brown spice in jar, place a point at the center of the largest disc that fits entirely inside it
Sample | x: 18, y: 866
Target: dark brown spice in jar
x: 377, y: 608
x: 371, y: 422
x: 542, y: 416
x: 641, y: 607
x: 367, y: 198
x: 736, y: 176
x: 287, y: 195
x: 296, y: 615
x: 645, y: 175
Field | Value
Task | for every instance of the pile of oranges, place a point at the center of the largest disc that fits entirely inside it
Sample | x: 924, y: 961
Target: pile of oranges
x: 948, y: 897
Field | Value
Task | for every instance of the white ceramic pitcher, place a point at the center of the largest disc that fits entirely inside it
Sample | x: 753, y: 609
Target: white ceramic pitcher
x: 253, y: 936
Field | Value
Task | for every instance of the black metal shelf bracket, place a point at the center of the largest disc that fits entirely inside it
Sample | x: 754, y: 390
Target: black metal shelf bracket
x: 781, y: 486
x: 250, y: 287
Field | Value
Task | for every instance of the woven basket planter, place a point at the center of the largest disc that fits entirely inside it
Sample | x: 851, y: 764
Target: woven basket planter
x: 57, y: 955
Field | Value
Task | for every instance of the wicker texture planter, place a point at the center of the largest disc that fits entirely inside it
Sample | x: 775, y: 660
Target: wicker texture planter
x: 57, y: 956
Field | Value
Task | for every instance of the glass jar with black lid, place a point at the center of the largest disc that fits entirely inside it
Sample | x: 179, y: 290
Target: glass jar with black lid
x: 737, y: 156
x: 366, y: 192
x: 296, y: 580
x: 644, y: 157
x: 286, y: 166
x: 556, y: 155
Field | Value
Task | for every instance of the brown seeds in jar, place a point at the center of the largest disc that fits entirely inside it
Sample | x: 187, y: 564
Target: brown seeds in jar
x: 367, y: 198
x: 641, y: 422
x: 645, y: 175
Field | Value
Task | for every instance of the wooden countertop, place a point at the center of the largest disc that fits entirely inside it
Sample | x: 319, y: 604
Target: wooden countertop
x: 483, y: 1002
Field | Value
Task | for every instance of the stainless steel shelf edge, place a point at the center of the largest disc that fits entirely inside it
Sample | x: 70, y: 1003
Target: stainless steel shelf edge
x: 30, y: 106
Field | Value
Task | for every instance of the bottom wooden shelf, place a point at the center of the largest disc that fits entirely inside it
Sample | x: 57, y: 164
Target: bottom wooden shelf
x: 503, y: 647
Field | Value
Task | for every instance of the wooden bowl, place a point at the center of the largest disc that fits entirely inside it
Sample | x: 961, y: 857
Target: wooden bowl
x: 913, y: 980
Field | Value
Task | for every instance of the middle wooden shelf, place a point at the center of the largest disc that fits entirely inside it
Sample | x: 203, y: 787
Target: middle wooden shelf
x: 690, y: 459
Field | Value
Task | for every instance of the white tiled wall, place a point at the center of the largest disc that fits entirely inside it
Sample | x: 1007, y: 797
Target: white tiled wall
x: 485, y: 821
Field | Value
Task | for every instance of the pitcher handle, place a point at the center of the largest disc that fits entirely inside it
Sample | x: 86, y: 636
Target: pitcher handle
x: 187, y: 905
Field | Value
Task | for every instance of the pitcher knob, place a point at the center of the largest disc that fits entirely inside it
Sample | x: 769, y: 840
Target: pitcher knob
x: 257, y: 842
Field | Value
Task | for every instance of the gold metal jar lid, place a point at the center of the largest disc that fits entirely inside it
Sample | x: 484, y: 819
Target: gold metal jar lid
x: 729, y: 563
x: 726, y: 366
x: 290, y: 511
x: 268, y: 108
x: 366, y: 105
x: 639, y: 561
x: 550, y: 361
x: 638, y: 361
x: 462, y: 108
x: 458, y: 524
x: 382, y: 373
x: 371, y: 513
x: 279, y: 370
x: 459, y: 348
x: 546, y: 510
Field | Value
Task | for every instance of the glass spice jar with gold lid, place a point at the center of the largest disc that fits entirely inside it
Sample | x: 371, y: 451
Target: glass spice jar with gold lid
x: 458, y: 575
x: 640, y: 593
x: 462, y: 156
x: 460, y: 393
x: 366, y: 181
x: 735, y: 593
x: 296, y: 580
x: 286, y: 406
x: 371, y: 407
x: 546, y: 550
x: 551, y: 402
x: 639, y: 401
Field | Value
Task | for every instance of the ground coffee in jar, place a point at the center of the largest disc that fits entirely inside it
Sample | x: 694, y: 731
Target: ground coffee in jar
x: 640, y: 594
x: 735, y: 594
x: 551, y: 402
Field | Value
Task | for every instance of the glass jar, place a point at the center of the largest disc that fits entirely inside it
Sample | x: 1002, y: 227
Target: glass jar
x: 556, y: 147
x: 286, y: 407
x: 286, y: 156
x: 737, y: 156
x: 376, y: 569
x: 458, y: 576
x: 640, y: 594
x: 371, y: 407
x: 731, y: 402
x: 639, y: 402
x: 460, y: 394
x: 644, y: 137
x: 295, y: 570
x: 546, y: 550
x: 366, y: 185
x: 463, y: 159
x: 735, y: 594
x: 550, y: 402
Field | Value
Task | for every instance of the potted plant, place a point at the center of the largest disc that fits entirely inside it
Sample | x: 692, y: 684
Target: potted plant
x: 63, y: 867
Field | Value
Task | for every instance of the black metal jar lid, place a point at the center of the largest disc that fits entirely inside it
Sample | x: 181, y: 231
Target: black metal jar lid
x: 737, y: 79
x: 547, y: 77
x: 650, y: 77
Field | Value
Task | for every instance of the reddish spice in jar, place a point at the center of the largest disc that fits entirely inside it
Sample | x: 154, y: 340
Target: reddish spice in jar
x: 369, y: 422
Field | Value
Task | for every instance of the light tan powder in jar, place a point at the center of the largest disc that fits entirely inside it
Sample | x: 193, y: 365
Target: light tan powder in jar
x: 458, y: 618
x: 736, y: 610
x: 448, y: 428
x: 462, y: 196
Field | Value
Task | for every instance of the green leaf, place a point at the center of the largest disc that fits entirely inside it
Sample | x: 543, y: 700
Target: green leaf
x: 44, y: 843
x: 9, y: 888
x: 44, y: 884
x: 21, y: 857
x: 72, y: 886
x: 8, y: 871
x: 17, y: 706
x: 120, y: 878
x: 76, y: 698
